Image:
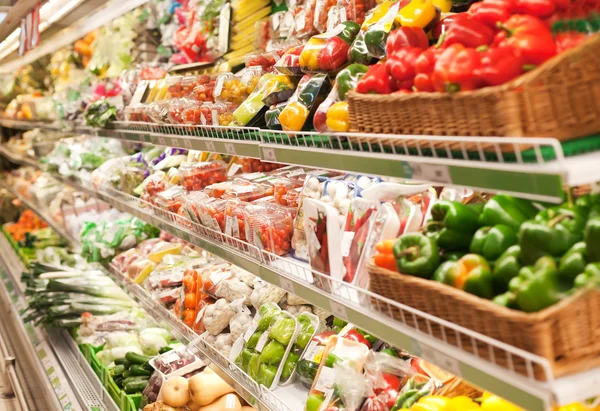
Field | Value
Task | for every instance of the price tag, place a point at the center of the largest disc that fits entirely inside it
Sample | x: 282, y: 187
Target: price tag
x: 287, y: 284
x: 161, y: 141
x: 437, y: 358
x: 187, y: 143
x: 230, y: 149
x: 338, y: 310
x: 269, y: 154
x: 175, y: 142
x: 210, y: 146
x: 429, y: 172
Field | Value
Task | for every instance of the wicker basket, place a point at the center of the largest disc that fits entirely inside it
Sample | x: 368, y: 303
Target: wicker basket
x: 558, y: 99
x: 458, y: 387
x: 566, y: 334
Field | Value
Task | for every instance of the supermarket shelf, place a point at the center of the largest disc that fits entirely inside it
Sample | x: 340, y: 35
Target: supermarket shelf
x: 488, y: 363
x: 534, y: 168
x: 58, y: 360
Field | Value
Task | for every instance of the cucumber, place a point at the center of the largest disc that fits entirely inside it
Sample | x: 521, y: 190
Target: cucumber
x: 132, y: 380
x: 126, y: 374
x: 165, y: 349
x: 136, y: 358
x: 137, y: 369
x: 127, y: 364
x: 119, y: 382
x: 135, y: 387
x: 119, y: 361
x: 118, y: 370
x: 148, y: 367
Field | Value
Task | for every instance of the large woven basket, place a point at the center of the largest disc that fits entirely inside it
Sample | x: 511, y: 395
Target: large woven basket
x: 557, y: 99
x: 566, y: 334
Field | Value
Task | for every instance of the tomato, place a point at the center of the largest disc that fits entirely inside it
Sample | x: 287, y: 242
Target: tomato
x: 189, y: 317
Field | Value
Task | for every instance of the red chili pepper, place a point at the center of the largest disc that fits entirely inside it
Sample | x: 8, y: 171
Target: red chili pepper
x: 376, y: 80
x: 334, y: 55
x: 401, y: 66
x: 490, y: 13
x: 456, y: 68
x: 354, y: 335
x: 538, y: 8
x: 529, y: 36
x: 468, y: 32
x: 568, y: 40
x: 499, y: 66
x: 406, y: 37
x: 424, y: 66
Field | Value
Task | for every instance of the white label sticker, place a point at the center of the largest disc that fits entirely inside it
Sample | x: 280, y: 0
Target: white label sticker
x: 210, y: 146
x: 230, y: 149
x: 161, y: 141
x: 338, y: 310
x: 218, y: 276
x: 269, y: 154
x: 347, y: 238
x: 262, y: 341
x: 215, y: 117
x: 430, y: 172
x: 235, y: 227
x: 287, y: 285
x: 311, y: 351
x: 228, y: 222
x: 326, y: 379
x: 230, y: 401
x: 170, y: 357
x: 219, y: 86
x: 250, y: 330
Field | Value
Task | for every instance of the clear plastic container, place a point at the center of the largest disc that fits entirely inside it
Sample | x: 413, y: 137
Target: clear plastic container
x: 289, y: 63
x: 281, y: 187
x: 236, y: 88
x: 235, y: 219
x: 176, y: 362
x: 271, y: 227
x: 170, y: 201
x: 204, y: 89
x: 131, y: 178
x: 196, y: 176
x: 253, y: 165
x: 247, y: 191
x: 212, y: 214
x: 190, y: 205
x: 212, y: 114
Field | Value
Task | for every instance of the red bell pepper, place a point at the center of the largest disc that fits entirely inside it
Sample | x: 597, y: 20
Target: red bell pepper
x: 499, y: 66
x: 406, y: 37
x: 376, y: 80
x: 354, y: 335
x: 468, y: 32
x: 538, y: 8
x: 442, y: 26
x: 334, y: 55
x: 490, y: 12
x: 568, y: 40
x: 401, y: 67
x: 456, y: 69
x: 529, y: 36
x: 424, y: 66
x: 388, y: 391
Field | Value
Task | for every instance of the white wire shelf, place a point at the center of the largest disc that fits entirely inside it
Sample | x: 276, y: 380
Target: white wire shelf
x: 534, y: 168
x: 517, y: 375
x: 70, y: 378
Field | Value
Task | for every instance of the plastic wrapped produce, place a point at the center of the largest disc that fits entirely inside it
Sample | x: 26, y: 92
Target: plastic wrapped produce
x: 271, y: 228
x: 251, y: 111
x: 298, y: 113
x: 236, y: 88
x: 196, y: 176
x: 170, y: 201
x: 264, y: 292
x: 329, y: 51
x: 309, y: 324
x: 233, y: 289
x: 240, y: 322
x: 289, y: 63
x: 217, y: 316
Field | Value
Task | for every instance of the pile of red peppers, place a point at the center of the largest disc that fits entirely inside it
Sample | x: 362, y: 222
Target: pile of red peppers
x: 492, y: 43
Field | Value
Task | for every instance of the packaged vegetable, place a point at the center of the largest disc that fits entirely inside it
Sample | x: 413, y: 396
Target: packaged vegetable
x: 196, y: 176
x: 217, y: 316
x: 271, y: 228
x: 329, y: 51
x: 289, y: 63
x: 264, y: 292
x: 209, y: 114
x: 176, y: 362
x: 234, y: 89
x: 370, y: 42
x: 251, y: 111
x: 169, y: 201
x: 272, y: 116
x: 204, y: 88
x: 359, y: 223
x: 280, y: 88
x: 309, y: 324
x: 298, y: 113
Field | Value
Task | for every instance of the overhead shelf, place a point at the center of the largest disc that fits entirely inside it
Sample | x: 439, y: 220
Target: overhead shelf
x: 490, y: 364
x: 58, y: 359
x: 534, y: 168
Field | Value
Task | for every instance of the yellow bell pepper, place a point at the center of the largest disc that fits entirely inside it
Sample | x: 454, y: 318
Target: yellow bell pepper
x: 576, y: 406
x: 431, y: 403
x: 495, y: 403
x: 443, y: 5
x: 377, y: 13
x: 293, y: 116
x: 417, y: 13
x: 461, y: 403
x: 310, y: 53
x: 337, y: 117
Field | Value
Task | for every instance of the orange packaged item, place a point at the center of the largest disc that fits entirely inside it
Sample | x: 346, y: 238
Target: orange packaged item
x: 204, y: 89
x: 282, y: 186
x: 235, y: 219
x: 196, y: 176
x: 212, y: 277
x: 271, y: 228
x: 234, y: 89
x: 209, y: 114
x: 190, y: 205
x: 212, y: 214
x: 252, y: 165
x: 170, y: 201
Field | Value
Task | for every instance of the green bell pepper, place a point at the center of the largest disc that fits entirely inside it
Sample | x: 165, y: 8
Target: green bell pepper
x: 307, y: 371
x: 254, y: 366
x: 338, y: 324
x: 347, y: 79
x: 266, y: 375
x: 455, y: 224
x: 253, y: 340
x: 471, y: 273
x: 314, y: 402
x: 506, y: 299
x: 244, y: 359
x: 590, y: 275
x: 491, y: 242
x: 272, y: 353
x: 537, y: 286
x: 351, y: 29
x: 452, y: 255
x: 416, y: 255
x: 267, y: 312
x: 506, y: 268
x: 591, y: 236
x: 573, y: 263
x: 552, y: 232
x: 283, y: 330
x: 359, y: 52
x: 289, y: 365
x: 445, y: 273
x: 507, y: 210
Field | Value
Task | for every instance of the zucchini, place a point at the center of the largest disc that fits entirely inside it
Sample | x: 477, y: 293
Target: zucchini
x: 135, y: 358
x: 148, y: 367
x: 137, y: 369
x: 120, y: 361
x: 119, y: 381
x: 118, y: 370
x: 127, y: 374
x: 135, y: 387
x: 137, y: 379
x: 127, y: 364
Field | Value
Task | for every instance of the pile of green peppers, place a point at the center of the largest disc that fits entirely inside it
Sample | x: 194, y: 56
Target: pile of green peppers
x: 516, y: 253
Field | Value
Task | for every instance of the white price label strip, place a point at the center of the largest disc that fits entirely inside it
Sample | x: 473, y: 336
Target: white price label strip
x: 437, y: 358
x: 210, y: 146
x: 430, y: 172
x: 338, y: 310
x: 287, y: 285
x: 230, y: 149
x: 269, y: 154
